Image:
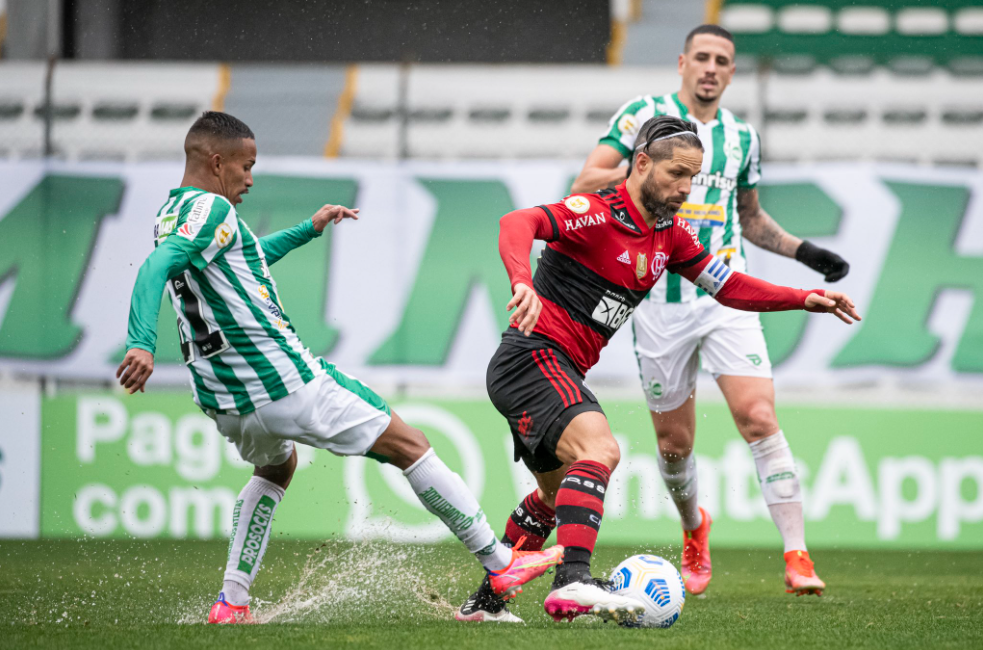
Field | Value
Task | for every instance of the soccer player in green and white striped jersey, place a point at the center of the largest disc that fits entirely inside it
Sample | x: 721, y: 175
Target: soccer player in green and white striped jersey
x: 678, y: 322
x: 253, y: 376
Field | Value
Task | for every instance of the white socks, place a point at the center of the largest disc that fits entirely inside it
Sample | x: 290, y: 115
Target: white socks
x: 780, y: 487
x: 680, y: 479
x: 252, y: 521
x: 445, y: 494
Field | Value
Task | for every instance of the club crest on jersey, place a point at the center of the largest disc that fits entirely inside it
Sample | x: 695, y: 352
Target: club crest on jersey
x: 641, y: 266
x: 659, y: 265
x: 577, y: 204
x: 628, y: 125
x: 223, y: 235
x: 580, y: 222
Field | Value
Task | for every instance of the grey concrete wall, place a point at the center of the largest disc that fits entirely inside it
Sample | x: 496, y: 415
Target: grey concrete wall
x: 289, y: 108
x: 657, y: 38
x: 31, y: 24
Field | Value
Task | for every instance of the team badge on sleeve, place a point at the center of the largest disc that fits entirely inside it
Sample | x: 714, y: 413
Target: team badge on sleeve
x: 577, y: 204
x: 223, y: 235
x: 628, y: 124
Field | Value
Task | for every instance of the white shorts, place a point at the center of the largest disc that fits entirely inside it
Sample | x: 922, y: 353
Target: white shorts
x: 670, y: 338
x: 333, y: 411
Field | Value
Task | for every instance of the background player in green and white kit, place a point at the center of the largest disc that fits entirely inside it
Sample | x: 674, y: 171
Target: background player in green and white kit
x: 251, y: 373
x: 678, y: 322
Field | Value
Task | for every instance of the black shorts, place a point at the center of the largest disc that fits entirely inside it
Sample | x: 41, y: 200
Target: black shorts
x: 539, y: 391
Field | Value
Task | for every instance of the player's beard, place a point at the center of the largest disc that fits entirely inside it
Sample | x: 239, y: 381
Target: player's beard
x: 651, y: 201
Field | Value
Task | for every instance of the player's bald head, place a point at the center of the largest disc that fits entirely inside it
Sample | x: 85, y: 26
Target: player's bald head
x: 216, y: 133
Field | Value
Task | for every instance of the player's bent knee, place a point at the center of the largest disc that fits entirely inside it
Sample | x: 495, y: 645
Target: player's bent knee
x: 279, y: 474
x: 672, y: 449
x: 675, y: 440
x: 608, y: 453
x: 758, y: 420
x: 400, y: 444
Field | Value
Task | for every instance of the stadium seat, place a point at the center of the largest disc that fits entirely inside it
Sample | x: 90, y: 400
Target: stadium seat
x: 21, y: 92
x: 483, y: 111
x: 103, y: 111
x: 908, y: 35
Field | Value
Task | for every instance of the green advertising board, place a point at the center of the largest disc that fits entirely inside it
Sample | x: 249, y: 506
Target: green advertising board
x: 153, y: 466
x: 416, y: 287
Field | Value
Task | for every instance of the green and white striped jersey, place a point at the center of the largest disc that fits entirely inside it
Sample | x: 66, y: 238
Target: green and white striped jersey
x: 240, y: 346
x: 731, y: 160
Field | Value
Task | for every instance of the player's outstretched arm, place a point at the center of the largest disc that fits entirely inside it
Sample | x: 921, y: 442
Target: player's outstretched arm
x: 760, y: 229
x: 168, y: 260
x: 834, y: 302
x: 277, y: 245
x: 747, y: 293
x: 602, y: 169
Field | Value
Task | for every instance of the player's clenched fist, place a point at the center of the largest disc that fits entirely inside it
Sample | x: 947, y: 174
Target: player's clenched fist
x: 834, y: 303
x: 333, y: 214
x: 527, y: 307
x: 135, y: 370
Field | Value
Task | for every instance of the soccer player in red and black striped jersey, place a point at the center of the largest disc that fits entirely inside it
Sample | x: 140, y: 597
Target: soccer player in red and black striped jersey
x: 605, y: 252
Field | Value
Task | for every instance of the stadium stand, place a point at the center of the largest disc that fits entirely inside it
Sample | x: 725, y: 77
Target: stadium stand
x: 105, y: 111
x: 894, y: 80
x: 909, y: 36
x: 498, y: 111
x: 807, y: 108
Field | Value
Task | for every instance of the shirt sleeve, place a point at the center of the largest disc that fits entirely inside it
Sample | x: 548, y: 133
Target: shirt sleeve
x: 687, y: 251
x: 206, y: 229
x: 167, y: 261
x: 624, y: 125
x: 517, y: 230
x: 751, y: 173
x: 278, y: 244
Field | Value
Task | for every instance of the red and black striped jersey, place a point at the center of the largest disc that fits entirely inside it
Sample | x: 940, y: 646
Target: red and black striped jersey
x: 602, y: 259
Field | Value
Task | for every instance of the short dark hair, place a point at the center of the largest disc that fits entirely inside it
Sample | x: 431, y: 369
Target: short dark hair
x: 215, y: 124
x: 715, y: 30
x: 660, y: 136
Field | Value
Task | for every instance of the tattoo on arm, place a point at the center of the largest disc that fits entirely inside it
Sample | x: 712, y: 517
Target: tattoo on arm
x: 760, y: 229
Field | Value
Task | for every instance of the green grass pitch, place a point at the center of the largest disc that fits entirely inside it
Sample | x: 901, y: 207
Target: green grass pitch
x: 105, y: 595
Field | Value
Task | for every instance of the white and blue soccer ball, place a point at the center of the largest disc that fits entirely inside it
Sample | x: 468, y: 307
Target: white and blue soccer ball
x: 654, y: 582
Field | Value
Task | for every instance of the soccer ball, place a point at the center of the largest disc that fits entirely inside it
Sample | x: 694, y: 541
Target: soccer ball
x: 656, y: 584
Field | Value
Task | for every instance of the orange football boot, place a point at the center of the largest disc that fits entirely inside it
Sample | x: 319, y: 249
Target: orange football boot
x: 800, y: 575
x: 525, y: 566
x: 224, y: 613
x: 696, y: 569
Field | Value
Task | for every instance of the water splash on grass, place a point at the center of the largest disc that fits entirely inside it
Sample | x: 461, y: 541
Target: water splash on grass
x: 340, y: 581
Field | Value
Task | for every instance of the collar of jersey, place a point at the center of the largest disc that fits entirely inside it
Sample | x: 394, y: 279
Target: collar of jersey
x: 633, y: 212
x: 684, y: 112
x: 187, y: 188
